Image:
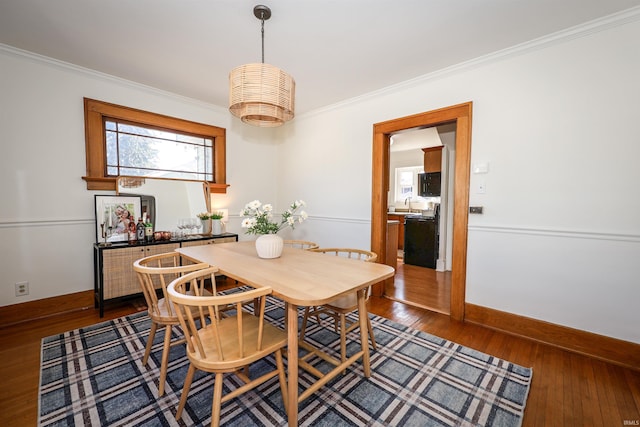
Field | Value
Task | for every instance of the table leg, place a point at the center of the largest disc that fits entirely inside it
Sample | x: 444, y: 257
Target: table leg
x: 292, y: 360
x: 364, y: 332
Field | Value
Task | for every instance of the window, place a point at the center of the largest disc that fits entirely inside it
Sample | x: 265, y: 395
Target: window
x: 407, y: 183
x: 125, y: 141
x: 142, y: 151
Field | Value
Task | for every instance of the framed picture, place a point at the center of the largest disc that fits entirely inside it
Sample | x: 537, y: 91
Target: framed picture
x: 148, y: 205
x: 113, y: 216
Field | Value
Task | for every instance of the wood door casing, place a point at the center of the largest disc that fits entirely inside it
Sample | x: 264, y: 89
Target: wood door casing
x: 461, y: 115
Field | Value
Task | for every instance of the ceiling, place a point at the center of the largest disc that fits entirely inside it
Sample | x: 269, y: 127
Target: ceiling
x: 335, y: 49
x: 415, y: 139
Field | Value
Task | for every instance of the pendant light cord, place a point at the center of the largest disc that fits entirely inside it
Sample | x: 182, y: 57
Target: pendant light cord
x: 262, y: 31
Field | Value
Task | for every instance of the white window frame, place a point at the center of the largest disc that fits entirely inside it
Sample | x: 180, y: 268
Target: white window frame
x: 400, y: 194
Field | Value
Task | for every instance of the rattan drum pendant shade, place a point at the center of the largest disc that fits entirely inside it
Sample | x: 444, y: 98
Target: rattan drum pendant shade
x: 261, y: 94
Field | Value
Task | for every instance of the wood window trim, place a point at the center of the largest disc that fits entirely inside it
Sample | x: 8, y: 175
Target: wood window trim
x: 94, y: 113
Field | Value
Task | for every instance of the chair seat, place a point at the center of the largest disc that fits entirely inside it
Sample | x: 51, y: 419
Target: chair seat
x: 272, y: 339
x: 347, y: 302
x: 165, y: 311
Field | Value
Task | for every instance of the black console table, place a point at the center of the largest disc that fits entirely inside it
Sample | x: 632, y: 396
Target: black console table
x: 113, y: 265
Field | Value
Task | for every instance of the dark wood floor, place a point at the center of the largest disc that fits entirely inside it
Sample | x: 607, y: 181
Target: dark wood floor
x: 567, y: 389
x: 422, y: 287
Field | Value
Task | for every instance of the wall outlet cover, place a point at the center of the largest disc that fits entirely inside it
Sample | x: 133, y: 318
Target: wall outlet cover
x: 22, y: 289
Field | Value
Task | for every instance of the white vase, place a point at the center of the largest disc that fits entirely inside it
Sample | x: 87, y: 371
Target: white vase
x: 216, y: 227
x: 206, y: 226
x: 269, y: 246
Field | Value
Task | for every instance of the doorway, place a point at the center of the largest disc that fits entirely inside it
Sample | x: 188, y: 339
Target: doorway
x: 461, y: 116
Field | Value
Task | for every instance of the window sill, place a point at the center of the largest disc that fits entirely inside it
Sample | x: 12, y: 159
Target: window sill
x: 109, y: 184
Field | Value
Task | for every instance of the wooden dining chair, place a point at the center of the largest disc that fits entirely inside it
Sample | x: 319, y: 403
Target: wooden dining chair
x: 226, y: 344
x: 339, y: 308
x: 301, y: 244
x: 154, y: 273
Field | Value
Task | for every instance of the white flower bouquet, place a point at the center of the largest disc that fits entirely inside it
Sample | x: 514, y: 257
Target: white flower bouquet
x: 259, y: 218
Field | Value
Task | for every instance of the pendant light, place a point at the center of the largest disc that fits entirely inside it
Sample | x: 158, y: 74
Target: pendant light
x: 261, y: 94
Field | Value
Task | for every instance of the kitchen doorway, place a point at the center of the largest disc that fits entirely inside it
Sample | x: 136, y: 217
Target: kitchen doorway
x: 461, y: 116
x: 424, y: 212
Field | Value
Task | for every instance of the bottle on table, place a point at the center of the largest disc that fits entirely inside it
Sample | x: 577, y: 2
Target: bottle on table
x: 140, y: 230
x: 133, y: 233
x: 148, y: 230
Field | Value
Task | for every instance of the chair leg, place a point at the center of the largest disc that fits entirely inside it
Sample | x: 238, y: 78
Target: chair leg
x: 317, y: 314
x: 165, y: 359
x: 217, y: 400
x: 283, y: 380
x: 373, y: 338
x: 185, y: 390
x: 303, y: 328
x: 152, y: 335
x: 343, y: 337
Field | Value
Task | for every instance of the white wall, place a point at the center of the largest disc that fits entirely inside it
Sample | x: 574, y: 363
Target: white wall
x: 560, y: 237
x: 46, y: 213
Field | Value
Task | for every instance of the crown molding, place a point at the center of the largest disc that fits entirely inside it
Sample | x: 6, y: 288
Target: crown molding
x: 88, y: 72
x: 582, y: 30
x: 559, y: 37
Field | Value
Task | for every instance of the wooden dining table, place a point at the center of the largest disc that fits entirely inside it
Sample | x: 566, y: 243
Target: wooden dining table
x: 300, y: 278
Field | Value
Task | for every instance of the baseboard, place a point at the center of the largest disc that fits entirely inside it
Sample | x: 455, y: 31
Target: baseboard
x: 612, y: 350
x: 38, y: 309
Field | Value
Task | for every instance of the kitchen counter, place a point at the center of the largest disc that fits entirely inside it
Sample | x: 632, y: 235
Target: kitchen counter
x: 405, y: 213
x: 402, y: 215
x: 414, y: 213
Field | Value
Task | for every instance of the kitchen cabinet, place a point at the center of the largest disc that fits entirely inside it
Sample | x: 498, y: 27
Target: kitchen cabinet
x: 400, y: 218
x: 432, y: 159
x: 429, y: 184
x: 114, y: 276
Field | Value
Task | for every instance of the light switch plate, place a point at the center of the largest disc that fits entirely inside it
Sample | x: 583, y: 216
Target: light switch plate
x: 481, y: 168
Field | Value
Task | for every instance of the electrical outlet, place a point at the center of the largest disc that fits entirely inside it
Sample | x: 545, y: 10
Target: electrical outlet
x: 22, y: 289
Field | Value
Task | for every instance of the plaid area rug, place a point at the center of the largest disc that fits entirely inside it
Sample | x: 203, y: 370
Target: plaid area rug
x: 93, y: 377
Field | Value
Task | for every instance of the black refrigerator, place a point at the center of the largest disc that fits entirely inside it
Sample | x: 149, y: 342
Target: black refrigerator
x: 421, y: 241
